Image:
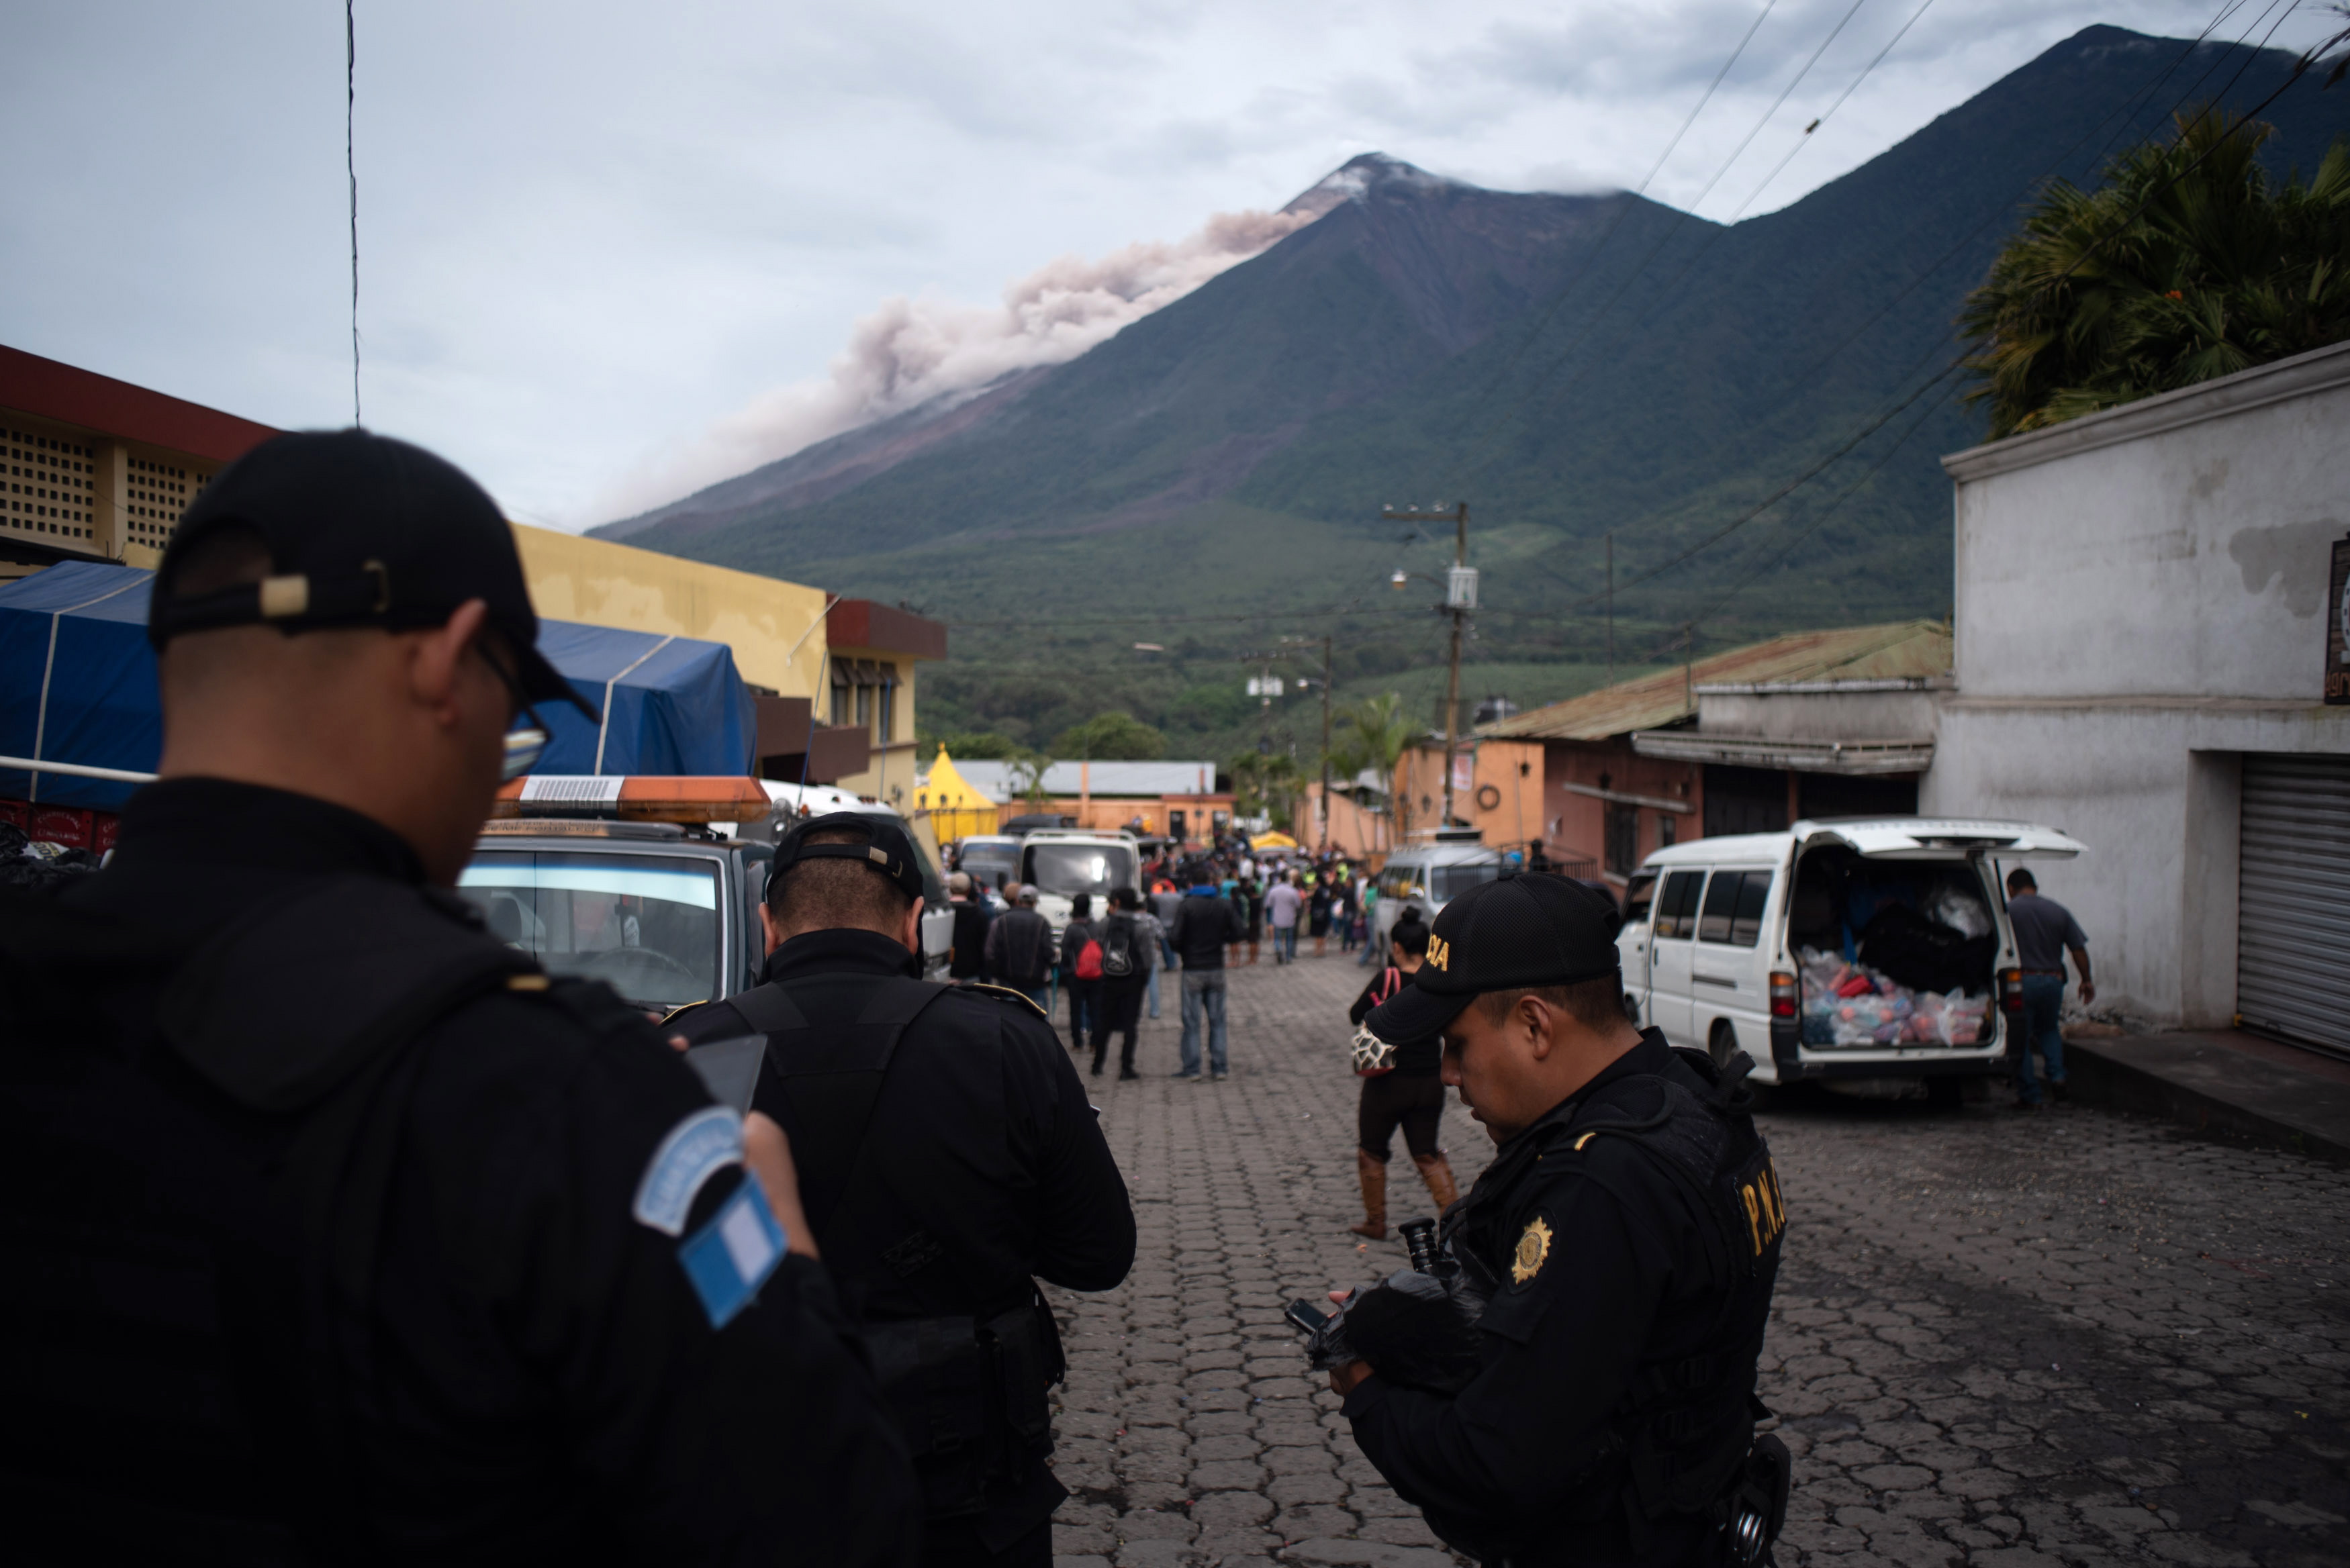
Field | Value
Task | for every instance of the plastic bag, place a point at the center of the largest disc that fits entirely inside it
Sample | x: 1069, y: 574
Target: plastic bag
x: 1952, y: 906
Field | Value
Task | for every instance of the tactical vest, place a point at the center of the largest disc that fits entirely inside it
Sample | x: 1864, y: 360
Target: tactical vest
x: 196, y: 1169
x: 1682, y: 1438
x: 966, y: 1361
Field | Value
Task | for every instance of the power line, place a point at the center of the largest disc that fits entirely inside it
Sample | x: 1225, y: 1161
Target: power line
x: 351, y: 172
x: 1805, y: 140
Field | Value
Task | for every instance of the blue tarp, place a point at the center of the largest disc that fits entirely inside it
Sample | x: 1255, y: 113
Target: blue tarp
x: 78, y: 685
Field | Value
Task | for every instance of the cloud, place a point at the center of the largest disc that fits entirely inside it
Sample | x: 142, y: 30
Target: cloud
x: 913, y: 351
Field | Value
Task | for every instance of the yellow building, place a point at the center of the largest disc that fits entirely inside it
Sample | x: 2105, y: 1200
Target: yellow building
x: 834, y: 677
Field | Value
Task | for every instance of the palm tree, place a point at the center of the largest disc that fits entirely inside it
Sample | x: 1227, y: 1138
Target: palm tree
x: 2190, y: 263
x: 1373, y: 734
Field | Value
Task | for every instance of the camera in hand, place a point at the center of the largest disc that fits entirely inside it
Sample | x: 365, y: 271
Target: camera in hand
x: 1417, y: 1327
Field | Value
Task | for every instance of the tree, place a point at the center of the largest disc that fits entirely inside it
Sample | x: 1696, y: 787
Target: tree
x: 1373, y: 734
x: 1266, y: 786
x: 1114, y: 736
x: 976, y: 745
x: 2189, y: 264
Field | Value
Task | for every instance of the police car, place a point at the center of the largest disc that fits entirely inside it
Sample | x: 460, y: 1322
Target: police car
x: 651, y: 885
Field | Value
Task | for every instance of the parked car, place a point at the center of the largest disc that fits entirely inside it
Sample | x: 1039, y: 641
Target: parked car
x: 987, y: 856
x: 665, y: 911
x: 1873, y: 955
x: 1425, y: 875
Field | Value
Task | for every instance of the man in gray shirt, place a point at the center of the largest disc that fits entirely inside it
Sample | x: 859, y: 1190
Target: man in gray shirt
x: 2044, y: 931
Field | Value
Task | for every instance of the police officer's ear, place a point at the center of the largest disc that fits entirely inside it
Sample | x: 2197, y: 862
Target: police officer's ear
x: 444, y: 679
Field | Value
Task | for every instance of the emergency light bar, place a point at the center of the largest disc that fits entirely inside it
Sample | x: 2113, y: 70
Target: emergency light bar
x: 613, y: 799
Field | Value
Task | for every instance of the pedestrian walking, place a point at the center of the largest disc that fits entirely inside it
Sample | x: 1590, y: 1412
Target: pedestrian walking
x: 334, y: 1228
x: 1342, y: 912
x: 1401, y: 1089
x: 1281, y: 908
x: 1020, y: 951
x: 1154, y: 950
x: 1318, y: 914
x: 1371, y: 906
x: 2045, y: 931
x: 1081, y: 968
x: 967, y: 954
x: 1203, y: 928
x: 1125, y: 966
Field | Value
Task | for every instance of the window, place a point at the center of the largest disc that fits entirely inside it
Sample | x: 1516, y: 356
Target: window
x: 865, y: 707
x: 1668, y: 830
x: 1733, y: 907
x: 648, y: 925
x: 1638, y: 897
x: 1449, y: 882
x: 1622, y: 838
x: 886, y: 711
x: 839, y: 704
x: 1676, y: 909
x: 1072, y: 868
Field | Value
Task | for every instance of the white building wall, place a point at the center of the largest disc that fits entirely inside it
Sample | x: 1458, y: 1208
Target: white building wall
x: 2138, y: 603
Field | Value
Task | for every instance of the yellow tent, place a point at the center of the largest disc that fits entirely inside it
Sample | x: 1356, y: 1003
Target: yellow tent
x: 1272, y: 841
x: 956, y: 810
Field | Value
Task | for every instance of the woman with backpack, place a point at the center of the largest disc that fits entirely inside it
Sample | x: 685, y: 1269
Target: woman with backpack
x: 1125, y: 971
x: 1402, y: 1088
x: 1081, y: 970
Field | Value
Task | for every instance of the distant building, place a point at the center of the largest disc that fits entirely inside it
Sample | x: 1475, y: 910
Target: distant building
x: 1816, y: 723
x: 1177, y: 798
x: 2151, y: 623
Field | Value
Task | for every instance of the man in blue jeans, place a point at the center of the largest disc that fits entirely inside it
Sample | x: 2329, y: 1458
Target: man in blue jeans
x: 1204, y: 924
x: 2044, y: 931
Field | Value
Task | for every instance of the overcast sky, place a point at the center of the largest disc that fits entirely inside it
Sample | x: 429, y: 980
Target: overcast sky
x: 593, y: 235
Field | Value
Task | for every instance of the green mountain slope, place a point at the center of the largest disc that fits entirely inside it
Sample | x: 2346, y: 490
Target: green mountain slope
x: 1209, y: 479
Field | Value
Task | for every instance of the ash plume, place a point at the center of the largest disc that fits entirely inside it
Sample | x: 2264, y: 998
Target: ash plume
x: 912, y: 351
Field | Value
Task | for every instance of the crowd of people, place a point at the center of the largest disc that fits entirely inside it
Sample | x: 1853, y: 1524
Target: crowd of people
x: 1204, y: 911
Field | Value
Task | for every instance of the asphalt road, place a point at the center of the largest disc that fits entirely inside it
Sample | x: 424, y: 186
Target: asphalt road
x: 2001, y: 1339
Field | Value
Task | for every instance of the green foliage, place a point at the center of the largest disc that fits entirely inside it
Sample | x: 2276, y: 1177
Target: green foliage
x: 2190, y: 263
x: 1114, y: 736
x: 1268, y: 784
x: 973, y: 745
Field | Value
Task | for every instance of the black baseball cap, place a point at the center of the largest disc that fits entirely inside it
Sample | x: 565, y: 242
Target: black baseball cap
x: 1526, y: 929
x: 886, y: 847
x: 361, y: 530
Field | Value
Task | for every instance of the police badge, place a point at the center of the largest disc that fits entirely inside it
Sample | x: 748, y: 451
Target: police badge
x: 1533, y: 1251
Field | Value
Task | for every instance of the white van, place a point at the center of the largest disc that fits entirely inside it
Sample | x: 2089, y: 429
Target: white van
x: 1428, y: 873
x: 1062, y: 862
x: 1779, y: 944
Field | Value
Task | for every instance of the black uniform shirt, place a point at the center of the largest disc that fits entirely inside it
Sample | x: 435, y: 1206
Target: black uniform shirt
x: 1627, y: 1276
x: 540, y: 1379
x: 986, y: 1130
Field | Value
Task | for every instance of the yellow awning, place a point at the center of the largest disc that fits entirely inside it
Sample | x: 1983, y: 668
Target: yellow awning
x: 1272, y: 841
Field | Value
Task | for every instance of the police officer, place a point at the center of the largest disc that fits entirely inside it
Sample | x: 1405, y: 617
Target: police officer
x: 947, y: 1156
x: 1622, y: 1246
x: 336, y: 1229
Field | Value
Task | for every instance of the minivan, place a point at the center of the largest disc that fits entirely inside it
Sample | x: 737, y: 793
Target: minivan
x: 1781, y: 944
x: 1425, y: 875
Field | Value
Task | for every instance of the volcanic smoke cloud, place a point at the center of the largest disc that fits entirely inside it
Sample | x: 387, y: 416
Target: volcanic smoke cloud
x: 911, y: 351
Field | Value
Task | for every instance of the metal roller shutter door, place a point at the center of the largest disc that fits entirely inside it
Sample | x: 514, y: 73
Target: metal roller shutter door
x: 2292, y: 965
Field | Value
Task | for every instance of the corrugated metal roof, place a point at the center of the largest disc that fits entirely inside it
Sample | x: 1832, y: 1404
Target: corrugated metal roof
x: 1904, y: 649
x: 1146, y: 779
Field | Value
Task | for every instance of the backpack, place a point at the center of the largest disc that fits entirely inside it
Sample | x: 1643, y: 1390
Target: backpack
x: 1115, y: 953
x: 1090, y: 961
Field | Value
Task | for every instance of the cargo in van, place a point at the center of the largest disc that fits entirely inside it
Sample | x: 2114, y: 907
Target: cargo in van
x: 1841, y: 950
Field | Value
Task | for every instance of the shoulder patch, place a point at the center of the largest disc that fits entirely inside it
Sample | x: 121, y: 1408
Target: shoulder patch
x: 1003, y: 993
x: 1533, y: 1251
x: 706, y: 1143
x: 729, y: 1259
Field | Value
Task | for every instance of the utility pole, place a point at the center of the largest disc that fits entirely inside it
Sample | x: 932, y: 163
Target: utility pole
x: 1460, y: 602
x: 1326, y: 741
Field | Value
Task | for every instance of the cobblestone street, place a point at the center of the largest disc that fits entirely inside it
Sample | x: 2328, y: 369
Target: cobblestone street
x: 2001, y: 1339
